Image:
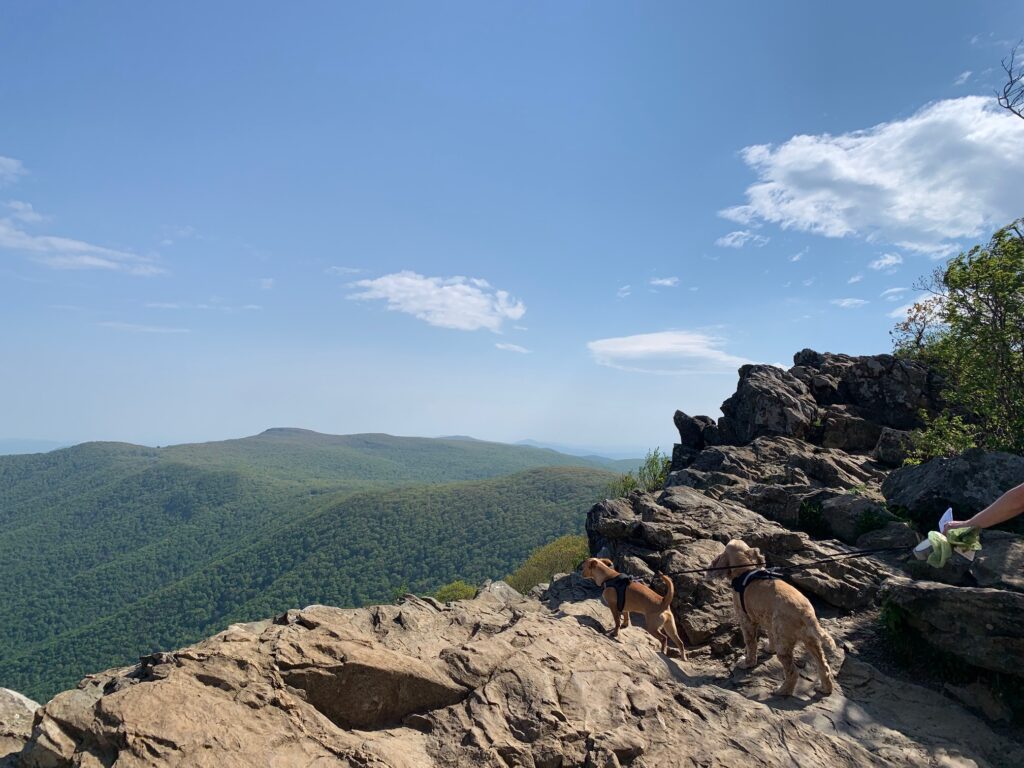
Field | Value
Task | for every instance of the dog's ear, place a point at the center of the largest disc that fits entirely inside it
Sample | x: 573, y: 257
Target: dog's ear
x: 758, y: 558
x: 715, y: 568
x: 607, y: 562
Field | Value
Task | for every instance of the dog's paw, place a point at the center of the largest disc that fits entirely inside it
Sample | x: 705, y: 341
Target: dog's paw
x: 746, y: 664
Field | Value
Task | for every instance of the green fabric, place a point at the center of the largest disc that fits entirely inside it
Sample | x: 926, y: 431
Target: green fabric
x: 958, y: 539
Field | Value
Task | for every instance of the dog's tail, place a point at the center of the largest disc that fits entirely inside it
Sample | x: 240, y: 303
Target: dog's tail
x: 817, y: 631
x: 670, y: 592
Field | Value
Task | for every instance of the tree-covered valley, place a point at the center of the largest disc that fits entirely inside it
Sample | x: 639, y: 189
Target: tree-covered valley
x: 109, y: 550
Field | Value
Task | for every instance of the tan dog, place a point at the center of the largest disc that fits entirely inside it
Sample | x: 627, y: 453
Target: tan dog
x: 777, y: 607
x: 658, y: 619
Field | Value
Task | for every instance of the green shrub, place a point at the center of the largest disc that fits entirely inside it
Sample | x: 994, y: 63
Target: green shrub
x: 650, y: 476
x: 563, y: 555
x: 456, y: 590
x: 871, y: 520
x: 811, y: 520
x: 943, y: 436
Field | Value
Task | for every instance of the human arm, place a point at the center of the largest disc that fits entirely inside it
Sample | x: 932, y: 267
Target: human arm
x: 1009, y: 505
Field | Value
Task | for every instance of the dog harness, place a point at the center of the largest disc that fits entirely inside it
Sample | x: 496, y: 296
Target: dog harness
x: 740, y: 583
x: 620, y: 583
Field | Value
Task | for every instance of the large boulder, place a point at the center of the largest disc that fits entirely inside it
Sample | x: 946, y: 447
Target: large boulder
x: 767, y: 401
x: 842, y: 428
x: 893, y: 447
x: 16, y: 713
x: 968, y: 483
x: 980, y: 626
x: 887, y: 390
x: 848, y: 516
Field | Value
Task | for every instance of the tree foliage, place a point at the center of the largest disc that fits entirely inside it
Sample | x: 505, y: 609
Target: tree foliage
x: 563, y: 555
x: 649, y: 476
x: 971, y: 327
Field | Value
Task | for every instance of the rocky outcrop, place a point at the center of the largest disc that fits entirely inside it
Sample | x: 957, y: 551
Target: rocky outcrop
x: 980, y: 626
x: 968, y: 483
x: 538, y: 685
x: 16, y: 714
x: 768, y: 401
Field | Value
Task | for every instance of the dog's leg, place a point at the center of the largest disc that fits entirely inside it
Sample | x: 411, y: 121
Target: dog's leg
x: 655, y: 626
x: 784, y: 651
x: 625, y: 619
x: 749, y: 630
x: 670, y: 628
x: 824, y: 672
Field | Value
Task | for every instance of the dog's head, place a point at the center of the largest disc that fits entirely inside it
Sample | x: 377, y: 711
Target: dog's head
x: 737, y: 559
x: 593, y: 568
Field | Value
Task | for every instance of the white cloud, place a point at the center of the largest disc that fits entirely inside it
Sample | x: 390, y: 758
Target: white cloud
x: 900, y: 313
x: 623, y: 292
x: 462, y: 303
x: 66, y: 253
x: 963, y: 77
x: 23, y: 211
x: 808, y: 282
x: 266, y: 283
x: 740, y: 238
x: 893, y: 294
x: 855, y: 279
x: 947, y: 173
x: 849, y: 303
x: 666, y: 352
x: 134, y: 328
x: 513, y: 348
x: 888, y: 261
x: 799, y: 255
x: 10, y: 170
x: 342, y: 271
x: 665, y: 282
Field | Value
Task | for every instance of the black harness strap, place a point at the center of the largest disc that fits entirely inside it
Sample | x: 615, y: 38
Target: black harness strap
x: 740, y: 583
x: 620, y: 583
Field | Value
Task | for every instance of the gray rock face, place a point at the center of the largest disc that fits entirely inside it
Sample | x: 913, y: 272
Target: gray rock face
x: 849, y: 516
x: 768, y: 401
x: 968, y: 483
x: 16, y: 713
x: 886, y: 390
x: 980, y: 626
x: 893, y: 447
x: 844, y: 430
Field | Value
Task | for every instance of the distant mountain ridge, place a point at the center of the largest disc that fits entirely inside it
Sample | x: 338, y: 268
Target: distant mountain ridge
x: 110, y: 550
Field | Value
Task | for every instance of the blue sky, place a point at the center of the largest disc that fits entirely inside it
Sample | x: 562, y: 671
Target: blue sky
x: 558, y: 221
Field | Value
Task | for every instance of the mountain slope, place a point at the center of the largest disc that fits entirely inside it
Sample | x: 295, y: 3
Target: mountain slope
x: 110, y: 550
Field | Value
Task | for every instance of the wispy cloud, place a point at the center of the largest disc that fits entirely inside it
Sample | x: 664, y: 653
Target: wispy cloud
x: 461, y: 303
x: 23, y: 211
x: 808, y: 282
x: 266, y: 283
x: 849, y: 303
x: 900, y: 313
x: 343, y: 271
x: 623, y: 292
x: 135, y: 328
x: 512, y: 348
x: 963, y: 77
x: 67, y: 253
x: 666, y: 352
x: 893, y: 294
x: 951, y: 171
x: 665, y: 282
x: 799, y: 255
x: 855, y: 279
x: 10, y: 170
x: 740, y: 238
x: 888, y: 261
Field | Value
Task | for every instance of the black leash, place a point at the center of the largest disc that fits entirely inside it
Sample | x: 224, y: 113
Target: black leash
x: 800, y: 566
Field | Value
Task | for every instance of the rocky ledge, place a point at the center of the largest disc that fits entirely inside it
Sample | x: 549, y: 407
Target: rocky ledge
x: 500, y: 680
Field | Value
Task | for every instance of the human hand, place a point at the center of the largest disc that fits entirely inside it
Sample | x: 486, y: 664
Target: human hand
x: 955, y: 524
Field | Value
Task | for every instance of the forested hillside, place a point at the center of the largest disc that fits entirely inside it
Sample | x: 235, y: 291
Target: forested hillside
x: 109, y: 551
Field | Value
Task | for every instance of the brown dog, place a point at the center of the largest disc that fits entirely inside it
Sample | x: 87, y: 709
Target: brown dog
x: 658, y: 619
x: 779, y: 608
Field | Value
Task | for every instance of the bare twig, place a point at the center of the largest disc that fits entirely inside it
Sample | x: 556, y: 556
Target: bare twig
x: 1012, y: 97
